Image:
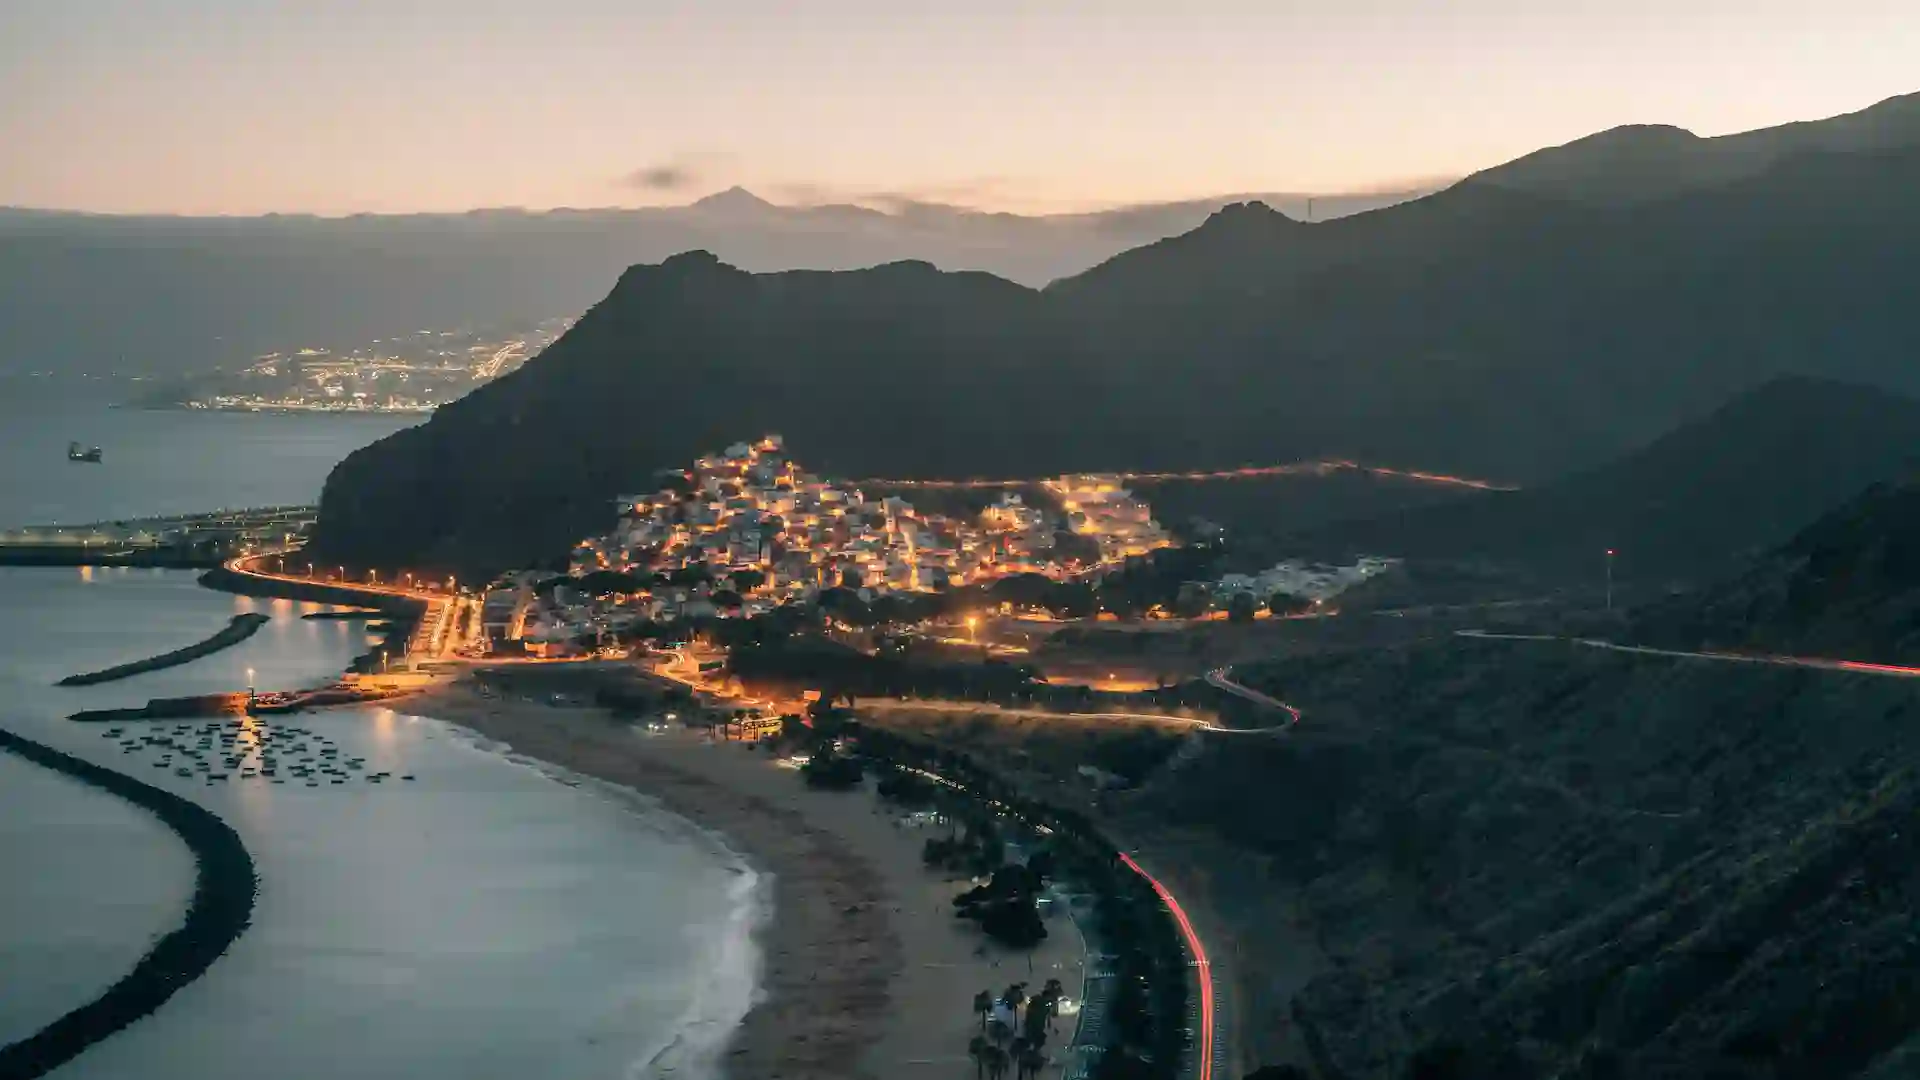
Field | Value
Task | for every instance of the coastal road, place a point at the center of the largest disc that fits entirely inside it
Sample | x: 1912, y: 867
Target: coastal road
x: 435, y: 637
x: 1203, y: 970
x: 1817, y: 663
x: 1222, y: 678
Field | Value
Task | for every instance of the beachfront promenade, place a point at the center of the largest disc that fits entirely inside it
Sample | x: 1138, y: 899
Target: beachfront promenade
x: 448, y: 623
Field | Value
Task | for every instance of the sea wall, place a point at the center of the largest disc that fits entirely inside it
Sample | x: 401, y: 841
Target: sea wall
x: 237, y: 630
x: 178, y: 708
x: 220, y: 911
x: 317, y: 592
x: 78, y: 555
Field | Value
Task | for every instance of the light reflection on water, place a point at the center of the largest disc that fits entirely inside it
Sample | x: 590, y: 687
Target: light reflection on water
x: 482, y: 921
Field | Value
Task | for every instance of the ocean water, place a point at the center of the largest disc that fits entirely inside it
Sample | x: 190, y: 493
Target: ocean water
x: 165, y: 461
x: 492, y: 918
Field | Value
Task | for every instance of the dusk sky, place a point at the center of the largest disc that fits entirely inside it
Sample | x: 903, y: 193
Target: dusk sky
x: 248, y: 106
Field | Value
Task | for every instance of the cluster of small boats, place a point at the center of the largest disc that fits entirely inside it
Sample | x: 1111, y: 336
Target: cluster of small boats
x: 223, y: 750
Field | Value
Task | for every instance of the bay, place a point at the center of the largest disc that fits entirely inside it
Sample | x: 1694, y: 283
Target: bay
x: 489, y: 919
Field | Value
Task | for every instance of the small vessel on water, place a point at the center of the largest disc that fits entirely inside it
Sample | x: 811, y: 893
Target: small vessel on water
x: 74, y: 453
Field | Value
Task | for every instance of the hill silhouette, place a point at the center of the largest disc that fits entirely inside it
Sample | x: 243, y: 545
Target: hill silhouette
x: 1845, y: 587
x: 1730, y: 485
x: 1479, y: 331
x: 1641, y: 162
x: 195, y: 293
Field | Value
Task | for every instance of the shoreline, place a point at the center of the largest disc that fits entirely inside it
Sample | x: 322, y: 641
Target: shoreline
x: 238, y: 629
x: 225, y: 888
x: 864, y: 971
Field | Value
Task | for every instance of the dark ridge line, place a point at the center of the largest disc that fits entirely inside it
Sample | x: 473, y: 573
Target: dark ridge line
x: 237, y: 630
x: 222, y: 908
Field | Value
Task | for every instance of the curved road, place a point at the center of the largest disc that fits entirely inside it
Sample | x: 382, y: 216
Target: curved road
x: 1817, y: 663
x: 1221, y: 678
x: 433, y: 637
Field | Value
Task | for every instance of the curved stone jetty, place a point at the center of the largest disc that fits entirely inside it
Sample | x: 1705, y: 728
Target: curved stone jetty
x: 221, y: 909
x: 239, y: 629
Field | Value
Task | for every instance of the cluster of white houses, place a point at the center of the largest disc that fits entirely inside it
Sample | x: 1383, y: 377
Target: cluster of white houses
x: 747, y: 530
x: 769, y: 533
x: 1312, y: 581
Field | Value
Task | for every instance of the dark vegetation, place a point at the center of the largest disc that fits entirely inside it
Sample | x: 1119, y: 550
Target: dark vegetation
x: 1005, y: 906
x: 1531, y: 859
x: 1846, y: 587
x: 219, y: 913
x: 1730, y: 485
x: 840, y: 672
x: 982, y: 812
x: 1147, y: 1016
x: 999, y: 1046
x: 238, y: 629
x: 1482, y: 330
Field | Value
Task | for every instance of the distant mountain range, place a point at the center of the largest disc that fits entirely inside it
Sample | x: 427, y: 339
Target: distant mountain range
x: 169, y: 295
x: 1731, y: 485
x: 1483, y: 330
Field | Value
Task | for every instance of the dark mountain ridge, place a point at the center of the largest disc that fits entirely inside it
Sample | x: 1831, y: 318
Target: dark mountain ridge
x: 191, y: 293
x: 1540, y: 859
x: 1730, y: 485
x: 1642, y: 162
x: 1477, y: 331
x: 1845, y: 587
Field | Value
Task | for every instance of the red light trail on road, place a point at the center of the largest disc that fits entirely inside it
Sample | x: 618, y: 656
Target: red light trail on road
x: 1205, y: 1042
x: 1878, y: 669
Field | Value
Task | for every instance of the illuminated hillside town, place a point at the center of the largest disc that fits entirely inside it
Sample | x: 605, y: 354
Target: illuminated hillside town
x: 746, y: 531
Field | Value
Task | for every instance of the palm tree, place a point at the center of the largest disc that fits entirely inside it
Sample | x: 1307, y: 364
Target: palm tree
x: 1033, y: 1061
x: 1015, y: 1051
x: 996, y: 1063
x: 1015, y: 997
x: 982, y: 1005
x: 977, y: 1048
x: 1052, y: 993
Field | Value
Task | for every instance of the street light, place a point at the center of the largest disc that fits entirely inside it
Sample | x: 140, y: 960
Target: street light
x: 1610, y: 581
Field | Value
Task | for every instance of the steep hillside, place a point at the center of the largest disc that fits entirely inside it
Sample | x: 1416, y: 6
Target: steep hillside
x: 1522, y: 860
x: 1475, y: 331
x: 1732, y: 484
x: 1845, y: 587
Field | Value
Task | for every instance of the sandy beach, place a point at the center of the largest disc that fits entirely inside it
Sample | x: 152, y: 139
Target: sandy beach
x: 866, y: 971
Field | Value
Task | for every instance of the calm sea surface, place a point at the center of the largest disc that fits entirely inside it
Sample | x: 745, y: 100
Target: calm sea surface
x: 488, y: 919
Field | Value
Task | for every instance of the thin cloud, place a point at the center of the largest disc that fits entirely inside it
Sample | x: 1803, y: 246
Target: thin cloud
x: 660, y: 178
x: 675, y: 174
